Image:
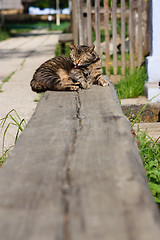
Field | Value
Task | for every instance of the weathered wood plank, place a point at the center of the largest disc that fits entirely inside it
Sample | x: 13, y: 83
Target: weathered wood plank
x: 33, y: 201
x: 107, y: 184
x: 76, y: 173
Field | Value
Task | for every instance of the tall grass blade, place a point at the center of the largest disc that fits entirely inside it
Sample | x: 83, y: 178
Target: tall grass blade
x: 4, y: 135
x: 17, y: 134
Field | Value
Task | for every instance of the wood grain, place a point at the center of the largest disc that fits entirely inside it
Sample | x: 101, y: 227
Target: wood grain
x: 75, y: 173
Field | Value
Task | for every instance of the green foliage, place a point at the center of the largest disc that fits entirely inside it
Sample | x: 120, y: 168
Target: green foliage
x: 150, y: 154
x: 39, y: 96
x: 15, y: 28
x: 110, y: 2
x: 132, y: 85
x: 49, y: 3
x: 4, y: 35
x: 58, y: 51
x: 16, y: 121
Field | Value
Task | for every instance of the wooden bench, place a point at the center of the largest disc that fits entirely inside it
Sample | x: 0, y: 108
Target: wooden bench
x: 63, y: 39
x: 76, y: 173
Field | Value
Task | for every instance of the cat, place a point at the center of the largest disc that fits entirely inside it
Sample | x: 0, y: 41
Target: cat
x: 80, y: 70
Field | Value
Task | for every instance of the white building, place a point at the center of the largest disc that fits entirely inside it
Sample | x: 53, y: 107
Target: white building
x: 153, y: 61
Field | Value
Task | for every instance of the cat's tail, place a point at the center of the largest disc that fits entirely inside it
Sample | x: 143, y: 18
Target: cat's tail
x: 38, y: 86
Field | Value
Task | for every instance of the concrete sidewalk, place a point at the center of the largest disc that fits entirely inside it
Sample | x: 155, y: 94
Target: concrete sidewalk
x: 19, y: 58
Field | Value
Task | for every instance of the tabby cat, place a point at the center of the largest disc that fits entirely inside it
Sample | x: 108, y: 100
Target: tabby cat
x: 80, y: 70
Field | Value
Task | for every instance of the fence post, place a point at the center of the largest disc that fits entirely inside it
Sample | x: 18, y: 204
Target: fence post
x: 153, y: 61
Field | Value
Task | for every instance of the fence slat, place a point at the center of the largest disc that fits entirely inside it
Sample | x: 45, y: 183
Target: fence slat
x: 80, y: 17
x: 148, y: 30
x: 131, y: 37
x: 122, y: 37
x: 140, y: 44
x: 97, y: 25
x: 89, y: 22
x: 74, y: 21
x: 114, y: 30
x: 106, y: 26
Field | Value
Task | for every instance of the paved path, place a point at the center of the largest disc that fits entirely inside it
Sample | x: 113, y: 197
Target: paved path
x: 19, y: 57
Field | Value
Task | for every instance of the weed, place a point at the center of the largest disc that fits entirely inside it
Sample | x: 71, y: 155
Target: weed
x: 40, y: 95
x: 8, y: 77
x: 22, y: 63
x: 15, y: 121
x: 150, y: 154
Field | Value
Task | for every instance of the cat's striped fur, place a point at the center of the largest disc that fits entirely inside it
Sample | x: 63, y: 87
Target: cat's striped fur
x: 80, y: 70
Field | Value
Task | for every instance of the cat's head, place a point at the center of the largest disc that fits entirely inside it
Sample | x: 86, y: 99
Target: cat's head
x: 82, y: 55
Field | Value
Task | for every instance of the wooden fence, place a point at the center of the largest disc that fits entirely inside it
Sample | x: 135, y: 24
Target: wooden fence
x: 121, y: 33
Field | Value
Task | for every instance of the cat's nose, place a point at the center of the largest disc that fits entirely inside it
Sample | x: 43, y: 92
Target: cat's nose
x: 76, y: 63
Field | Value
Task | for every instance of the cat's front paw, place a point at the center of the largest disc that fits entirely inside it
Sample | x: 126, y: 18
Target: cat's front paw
x: 103, y: 82
x: 73, y: 88
x: 85, y: 85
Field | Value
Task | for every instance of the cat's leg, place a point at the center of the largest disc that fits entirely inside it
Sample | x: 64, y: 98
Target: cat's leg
x: 78, y: 76
x: 97, y: 77
x: 65, y: 82
x: 38, y: 86
x: 102, y: 82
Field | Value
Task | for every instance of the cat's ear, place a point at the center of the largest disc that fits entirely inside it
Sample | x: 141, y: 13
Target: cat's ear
x: 91, y: 48
x: 72, y: 46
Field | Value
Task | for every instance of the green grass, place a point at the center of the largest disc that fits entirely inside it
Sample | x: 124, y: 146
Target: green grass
x: 4, y: 35
x: 8, y: 77
x: 39, y: 96
x: 132, y: 85
x: 58, y: 50
x: 26, y: 27
x: 150, y: 154
x: 16, y: 28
